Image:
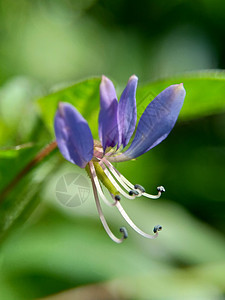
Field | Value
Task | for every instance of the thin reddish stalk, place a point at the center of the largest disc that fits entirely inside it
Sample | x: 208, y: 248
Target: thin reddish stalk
x: 39, y: 157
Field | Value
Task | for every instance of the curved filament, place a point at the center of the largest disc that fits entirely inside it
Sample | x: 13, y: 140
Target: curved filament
x: 98, y: 186
x: 131, y: 223
x: 102, y: 218
x: 117, y: 176
x: 113, y: 181
x: 128, y: 183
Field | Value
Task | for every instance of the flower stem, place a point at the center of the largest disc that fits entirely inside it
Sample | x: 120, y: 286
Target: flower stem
x: 39, y: 157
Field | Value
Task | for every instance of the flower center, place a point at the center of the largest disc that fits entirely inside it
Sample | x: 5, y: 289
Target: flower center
x: 98, y: 151
x: 101, y: 175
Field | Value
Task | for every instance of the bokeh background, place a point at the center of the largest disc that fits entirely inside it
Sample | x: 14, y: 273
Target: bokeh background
x: 51, y: 249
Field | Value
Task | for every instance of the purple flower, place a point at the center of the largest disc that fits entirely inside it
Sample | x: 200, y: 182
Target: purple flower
x: 117, y: 121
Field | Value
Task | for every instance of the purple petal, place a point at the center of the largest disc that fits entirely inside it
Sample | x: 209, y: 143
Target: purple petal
x: 108, y: 127
x: 156, y: 122
x: 73, y: 135
x: 127, y: 112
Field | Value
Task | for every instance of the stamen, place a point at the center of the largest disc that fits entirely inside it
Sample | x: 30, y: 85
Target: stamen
x: 111, y: 151
x: 132, y: 225
x: 139, y: 187
x: 116, y: 185
x: 121, y: 178
x: 102, y: 218
x: 98, y: 186
x: 157, y: 228
x: 160, y: 190
x: 124, y: 231
x: 133, y: 192
x: 117, y: 198
x: 116, y: 175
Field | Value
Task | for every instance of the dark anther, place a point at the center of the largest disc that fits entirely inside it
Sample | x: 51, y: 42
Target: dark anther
x: 157, y: 228
x: 139, y: 187
x: 161, y: 189
x: 117, y: 198
x: 124, y: 231
x: 133, y: 192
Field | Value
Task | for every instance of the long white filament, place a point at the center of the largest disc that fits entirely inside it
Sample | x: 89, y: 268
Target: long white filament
x: 98, y: 186
x: 127, y: 182
x: 116, y: 175
x: 111, y: 167
x: 116, y: 185
x: 102, y: 218
x: 131, y: 223
x: 152, y: 196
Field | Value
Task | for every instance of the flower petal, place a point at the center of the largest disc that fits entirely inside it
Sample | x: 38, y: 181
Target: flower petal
x: 156, y: 122
x: 108, y: 127
x: 73, y: 135
x: 127, y: 111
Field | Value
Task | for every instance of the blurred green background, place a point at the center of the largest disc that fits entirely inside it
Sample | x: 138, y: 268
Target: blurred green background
x: 50, y: 249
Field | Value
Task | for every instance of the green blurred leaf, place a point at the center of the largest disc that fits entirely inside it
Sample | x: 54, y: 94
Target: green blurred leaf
x: 204, y: 93
x: 18, y: 114
x: 83, y: 95
x: 177, y: 284
x: 13, y: 151
x: 18, y: 188
x: 12, y: 162
x: 205, y: 96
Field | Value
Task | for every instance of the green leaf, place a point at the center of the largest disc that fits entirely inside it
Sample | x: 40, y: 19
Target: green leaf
x: 204, y: 93
x: 205, y: 96
x: 10, y: 152
x: 83, y: 95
